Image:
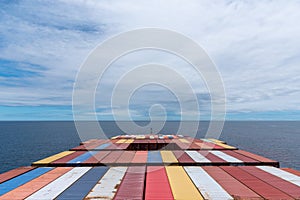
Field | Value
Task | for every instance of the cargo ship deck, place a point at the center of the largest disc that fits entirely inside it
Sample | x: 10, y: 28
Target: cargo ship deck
x: 156, y: 167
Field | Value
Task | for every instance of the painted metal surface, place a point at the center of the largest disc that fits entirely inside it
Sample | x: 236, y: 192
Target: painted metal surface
x: 13, y: 173
x: 183, y: 157
x: 256, y: 157
x: 197, y: 157
x: 157, y: 184
x: 96, y: 157
x: 226, y: 157
x: 34, y: 185
x: 132, y: 185
x: 126, y: 157
x: 22, y: 179
x: 108, y: 185
x: 168, y: 157
x: 241, y: 157
x: 181, y: 185
x: 111, y: 157
x: 260, y: 187
x: 292, y: 171
x: 83, y: 157
x: 219, y: 181
x: 213, y: 158
x: 154, y: 157
x: 80, y: 188
x: 140, y: 157
x: 277, y: 182
x: 207, y: 186
x: 102, y: 146
x: 292, y: 178
x: 56, y: 187
x: 54, y: 157
x: 232, y: 186
x: 67, y: 158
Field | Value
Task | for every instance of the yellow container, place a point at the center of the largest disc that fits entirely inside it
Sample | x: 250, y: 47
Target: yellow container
x: 53, y: 158
x: 183, y: 140
x: 121, y: 141
x: 181, y: 185
x: 168, y: 157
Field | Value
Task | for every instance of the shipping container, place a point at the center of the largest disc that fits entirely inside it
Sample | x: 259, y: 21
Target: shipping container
x: 213, y: 158
x: 96, y: 158
x: 183, y: 157
x: 275, y: 181
x: 154, y: 157
x: 168, y: 157
x: 126, y: 157
x: 66, y: 159
x: 112, y: 157
x: 181, y: 185
x: 132, y: 185
x: 257, y: 185
x: 226, y: 157
x: 282, y: 174
x: 157, y: 184
x: 292, y: 171
x: 80, y: 188
x: 197, y: 157
x: 53, y: 158
x: 108, y: 185
x: 207, y: 186
x: 259, y: 158
x: 140, y: 157
x: 13, y: 183
x: 34, y: 185
x: 55, y: 188
x: 13, y: 173
x: 241, y: 157
x: 82, y: 158
x: 232, y: 186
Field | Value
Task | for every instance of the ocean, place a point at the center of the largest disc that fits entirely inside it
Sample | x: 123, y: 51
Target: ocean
x: 25, y: 142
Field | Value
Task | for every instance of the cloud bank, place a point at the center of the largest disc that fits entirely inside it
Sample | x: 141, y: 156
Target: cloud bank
x: 254, y: 44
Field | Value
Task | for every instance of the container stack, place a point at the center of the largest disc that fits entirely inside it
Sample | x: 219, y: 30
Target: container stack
x: 152, y: 167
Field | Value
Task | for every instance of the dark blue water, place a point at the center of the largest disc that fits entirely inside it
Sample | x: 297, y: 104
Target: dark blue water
x: 25, y: 142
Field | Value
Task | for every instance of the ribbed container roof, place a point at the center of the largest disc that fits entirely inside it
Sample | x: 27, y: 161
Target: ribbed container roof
x: 152, y: 167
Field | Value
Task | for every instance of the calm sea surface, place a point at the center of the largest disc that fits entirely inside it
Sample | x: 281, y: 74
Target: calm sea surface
x: 25, y: 142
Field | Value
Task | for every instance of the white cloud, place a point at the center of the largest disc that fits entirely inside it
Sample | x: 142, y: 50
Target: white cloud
x: 255, y: 45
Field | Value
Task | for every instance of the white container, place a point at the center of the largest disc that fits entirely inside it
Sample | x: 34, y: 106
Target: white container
x: 207, y: 186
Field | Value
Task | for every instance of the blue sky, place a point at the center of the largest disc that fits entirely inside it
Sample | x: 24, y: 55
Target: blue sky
x: 254, y: 44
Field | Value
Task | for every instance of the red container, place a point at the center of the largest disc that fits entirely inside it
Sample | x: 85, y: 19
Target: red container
x: 193, y: 145
x: 123, y: 146
x: 34, y: 185
x: 230, y: 184
x: 67, y: 158
x: 132, y: 185
x: 183, y: 157
x: 157, y: 184
x: 97, y: 157
x: 13, y: 173
x: 89, y: 146
x: 279, y: 183
x: 140, y: 157
x: 113, y: 146
x: 213, y: 158
x: 112, y: 157
x: 259, y: 158
x: 241, y: 157
x: 126, y: 157
x: 257, y: 185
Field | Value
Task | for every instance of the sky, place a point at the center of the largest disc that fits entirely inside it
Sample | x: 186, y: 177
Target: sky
x: 255, y: 45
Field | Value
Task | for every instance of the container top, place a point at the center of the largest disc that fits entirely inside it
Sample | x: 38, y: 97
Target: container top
x: 152, y: 167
